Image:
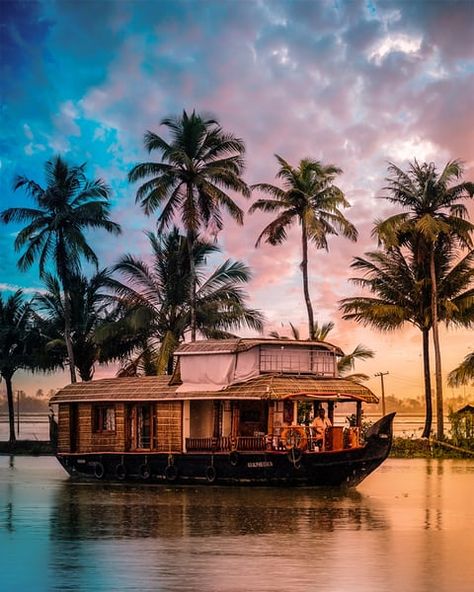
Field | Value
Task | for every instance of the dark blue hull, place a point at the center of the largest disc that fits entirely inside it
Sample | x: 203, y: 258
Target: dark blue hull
x: 346, y: 467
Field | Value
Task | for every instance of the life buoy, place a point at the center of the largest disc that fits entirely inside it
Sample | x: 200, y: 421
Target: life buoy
x: 211, y: 474
x: 294, y: 437
x: 171, y: 473
x: 234, y: 458
x: 120, y: 471
x: 144, y: 471
x: 99, y: 470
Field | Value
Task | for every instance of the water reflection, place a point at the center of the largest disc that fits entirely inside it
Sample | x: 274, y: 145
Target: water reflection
x: 97, y: 512
x: 407, y: 527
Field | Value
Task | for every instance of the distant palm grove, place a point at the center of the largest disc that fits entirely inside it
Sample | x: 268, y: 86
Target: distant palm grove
x: 138, y: 312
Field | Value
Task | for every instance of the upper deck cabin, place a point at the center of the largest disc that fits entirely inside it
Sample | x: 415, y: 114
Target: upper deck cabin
x: 216, y: 364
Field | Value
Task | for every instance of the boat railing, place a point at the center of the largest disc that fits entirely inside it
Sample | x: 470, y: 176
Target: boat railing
x: 219, y: 444
x: 304, y: 437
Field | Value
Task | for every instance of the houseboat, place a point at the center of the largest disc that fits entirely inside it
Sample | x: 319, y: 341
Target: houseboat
x: 228, y: 415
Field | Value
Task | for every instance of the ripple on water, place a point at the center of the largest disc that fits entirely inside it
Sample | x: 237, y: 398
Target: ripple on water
x: 408, y: 526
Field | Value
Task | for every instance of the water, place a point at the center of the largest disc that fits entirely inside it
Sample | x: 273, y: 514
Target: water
x: 408, y: 527
x: 33, y: 426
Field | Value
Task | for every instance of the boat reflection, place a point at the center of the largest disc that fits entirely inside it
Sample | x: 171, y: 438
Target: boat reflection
x: 93, y: 512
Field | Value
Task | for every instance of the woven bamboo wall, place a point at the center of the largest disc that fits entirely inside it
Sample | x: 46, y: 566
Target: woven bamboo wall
x: 169, y: 426
x: 84, y: 426
x: 64, y: 429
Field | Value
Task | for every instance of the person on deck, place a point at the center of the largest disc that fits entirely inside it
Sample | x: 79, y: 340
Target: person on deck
x: 320, y: 424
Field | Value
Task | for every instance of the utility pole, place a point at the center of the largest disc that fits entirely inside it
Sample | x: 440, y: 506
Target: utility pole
x: 382, y: 374
x: 18, y: 413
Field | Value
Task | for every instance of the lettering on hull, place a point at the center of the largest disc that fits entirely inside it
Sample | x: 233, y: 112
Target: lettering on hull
x: 260, y: 464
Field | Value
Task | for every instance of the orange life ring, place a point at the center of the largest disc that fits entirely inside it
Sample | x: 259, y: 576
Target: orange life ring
x: 294, y: 437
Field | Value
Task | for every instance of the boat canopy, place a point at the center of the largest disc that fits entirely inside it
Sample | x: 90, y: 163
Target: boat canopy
x: 212, y: 365
x: 264, y: 386
x: 240, y: 344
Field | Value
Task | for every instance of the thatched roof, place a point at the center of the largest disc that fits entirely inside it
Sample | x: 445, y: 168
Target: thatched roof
x: 265, y: 386
x: 227, y: 346
x: 466, y: 409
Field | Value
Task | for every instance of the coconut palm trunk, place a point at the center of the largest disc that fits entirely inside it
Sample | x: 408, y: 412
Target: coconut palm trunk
x: 437, y: 350
x: 64, y: 273
x: 192, y: 284
x: 67, y: 333
x: 427, y: 381
x: 11, y: 409
x: 304, y: 269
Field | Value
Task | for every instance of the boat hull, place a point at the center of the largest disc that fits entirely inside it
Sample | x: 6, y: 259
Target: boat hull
x: 346, y: 467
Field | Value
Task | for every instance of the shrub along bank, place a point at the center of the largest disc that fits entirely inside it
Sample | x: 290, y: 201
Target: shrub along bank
x: 425, y: 448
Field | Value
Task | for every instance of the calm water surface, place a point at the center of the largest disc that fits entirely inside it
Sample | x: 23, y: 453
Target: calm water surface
x: 408, y: 527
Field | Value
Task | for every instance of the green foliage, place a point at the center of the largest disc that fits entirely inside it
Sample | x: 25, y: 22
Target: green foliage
x: 91, y: 307
x: 464, y: 373
x: 199, y: 166
x: 55, y: 229
x: 462, y: 429
x: 156, y: 300
x: 21, y: 345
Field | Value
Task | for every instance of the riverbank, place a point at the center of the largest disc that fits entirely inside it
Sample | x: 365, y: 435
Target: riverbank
x: 27, y: 448
x: 401, y: 448
x: 425, y: 448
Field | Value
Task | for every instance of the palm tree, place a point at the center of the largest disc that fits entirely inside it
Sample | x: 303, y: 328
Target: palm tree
x: 433, y: 214
x: 295, y: 333
x: 402, y: 294
x: 464, y: 373
x: 310, y: 198
x: 198, y: 167
x: 54, y: 232
x: 90, y: 309
x: 158, y: 299
x: 18, y: 340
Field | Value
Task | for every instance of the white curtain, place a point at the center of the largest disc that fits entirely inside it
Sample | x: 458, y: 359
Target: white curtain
x: 248, y: 365
x: 206, y: 372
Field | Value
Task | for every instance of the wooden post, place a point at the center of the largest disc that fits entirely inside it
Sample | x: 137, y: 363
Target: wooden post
x: 359, y: 414
x: 331, y: 412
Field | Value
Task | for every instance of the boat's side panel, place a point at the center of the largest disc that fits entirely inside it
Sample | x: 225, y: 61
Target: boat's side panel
x: 347, y: 467
x: 64, y: 428
x: 169, y: 425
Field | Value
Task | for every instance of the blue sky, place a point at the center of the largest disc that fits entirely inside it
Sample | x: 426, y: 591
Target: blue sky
x: 353, y: 83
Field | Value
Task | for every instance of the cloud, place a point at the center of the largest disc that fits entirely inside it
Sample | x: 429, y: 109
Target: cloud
x: 13, y: 288
x: 352, y: 83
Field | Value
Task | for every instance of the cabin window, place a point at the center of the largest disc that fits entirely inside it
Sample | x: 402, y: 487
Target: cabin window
x: 285, y: 359
x: 103, y: 418
x: 288, y: 412
x: 324, y: 363
x: 296, y: 360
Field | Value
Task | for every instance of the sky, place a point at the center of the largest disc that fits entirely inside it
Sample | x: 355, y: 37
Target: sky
x: 353, y: 83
